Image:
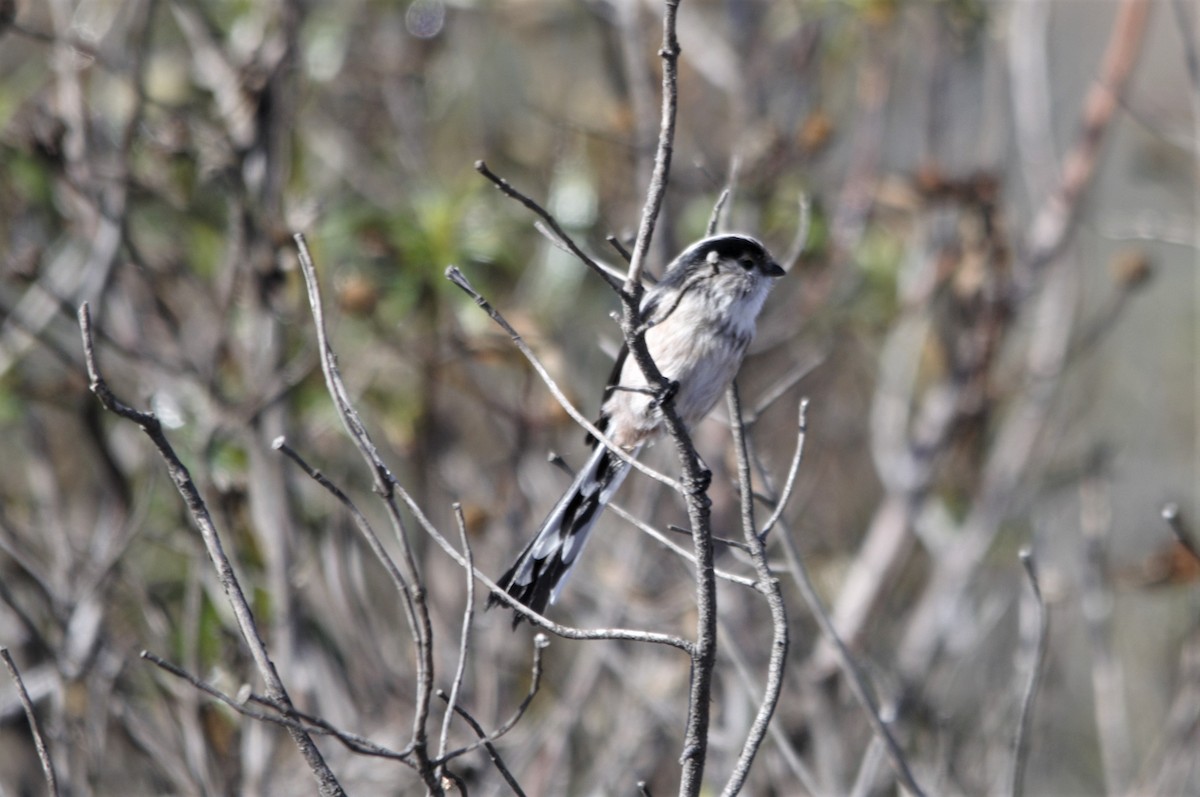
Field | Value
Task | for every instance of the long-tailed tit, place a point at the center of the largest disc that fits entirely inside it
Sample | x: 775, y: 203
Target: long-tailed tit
x: 700, y: 321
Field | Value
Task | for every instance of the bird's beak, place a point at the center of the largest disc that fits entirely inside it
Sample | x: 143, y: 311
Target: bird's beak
x: 773, y: 269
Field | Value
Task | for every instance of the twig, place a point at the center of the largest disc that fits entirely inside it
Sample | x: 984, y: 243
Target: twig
x: 507, y: 189
x: 714, y: 220
x: 768, y: 584
x: 464, y: 641
x: 387, y: 487
x: 34, y: 729
x: 657, y: 189
x: 696, y: 478
x: 564, y: 631
x: 800, y: 239
x: 735, y: 544
x: 616, y: 244
x: 845, y: 660
x: 198, y: 510
x: 1181, y: 529
x: 657, y: 535
x: 460, y: 279
x: 486, y: 743
x: 1016, y: 785
x: 780, y: 735
x: 1108, y: 680
x: 287, y: 718
x: 654, y: 533
x: 540, y: 643
x: 364, y: 527
x: 1055, y: 219
x: 790, y: 483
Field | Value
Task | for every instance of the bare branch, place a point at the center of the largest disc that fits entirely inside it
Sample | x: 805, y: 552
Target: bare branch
x: 714, y: 220
x: 386, y: 486
x: 845, y: 660
x: 657, y: 189
x: 287, y: 717
x: 364, y: 528
x: 1055, y: 220
x: 800, y: 239
x: 769, y: 586
x: 465, y: 640
x: 1016, y: 785
x: 34, y: 729
x: 540, y: 643
x: 149, y: 424
x: 1181, y: 529
x: 550, y: 221
x: 460, y: 279
x: 790, y: 483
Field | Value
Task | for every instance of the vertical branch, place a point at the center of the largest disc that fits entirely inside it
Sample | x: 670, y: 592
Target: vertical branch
x: 768, y: 584
x: 386, y: 487
x: 465, y: 641
x: 885, y: 740
x: 696, y: 478
x: 1108, y: 682
x: 38, y: 742
x: 1054, y: 221
x: 1016, y: 786
x: 179, y: 474
x: 666, y: 147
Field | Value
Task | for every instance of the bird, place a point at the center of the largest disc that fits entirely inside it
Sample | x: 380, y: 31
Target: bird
x: 700, y: 319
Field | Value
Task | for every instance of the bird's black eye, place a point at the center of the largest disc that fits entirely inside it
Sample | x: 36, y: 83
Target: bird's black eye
x: 746, y: 263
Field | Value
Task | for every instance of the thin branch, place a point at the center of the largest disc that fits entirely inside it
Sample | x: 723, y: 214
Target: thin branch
x: 198, y: 510
x: 1055, y: 220
x: 1033, y: 684
x: 779, y: 734
x: 286, y: 717
x: 768, y: 584
x: 566, y: 632
x: 714, y: 220
x: 460, y: 279
x: 735, y: 544
x: 34, y: 729
x: 465, y: 640
x: 540, y: 643
x: 800, y: 239
x: 790, y: 484
x: 845, y: 660
x: 696, y: 478
x: 657, y: 535
x: 566, y: 240
x: 364, y: 528
x: 386, y: 486
x: 616, y: 244
x: 666, y: 146
x: 486, y: 743
x: 1181, y: 529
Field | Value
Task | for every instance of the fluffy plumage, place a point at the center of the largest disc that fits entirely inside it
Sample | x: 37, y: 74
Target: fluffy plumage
x: 702, y: 318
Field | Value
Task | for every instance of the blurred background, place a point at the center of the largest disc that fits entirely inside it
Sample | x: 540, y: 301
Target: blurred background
x: 993, y: 317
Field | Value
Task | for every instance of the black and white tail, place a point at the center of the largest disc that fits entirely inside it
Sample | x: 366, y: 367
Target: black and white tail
x: 539, y: 572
